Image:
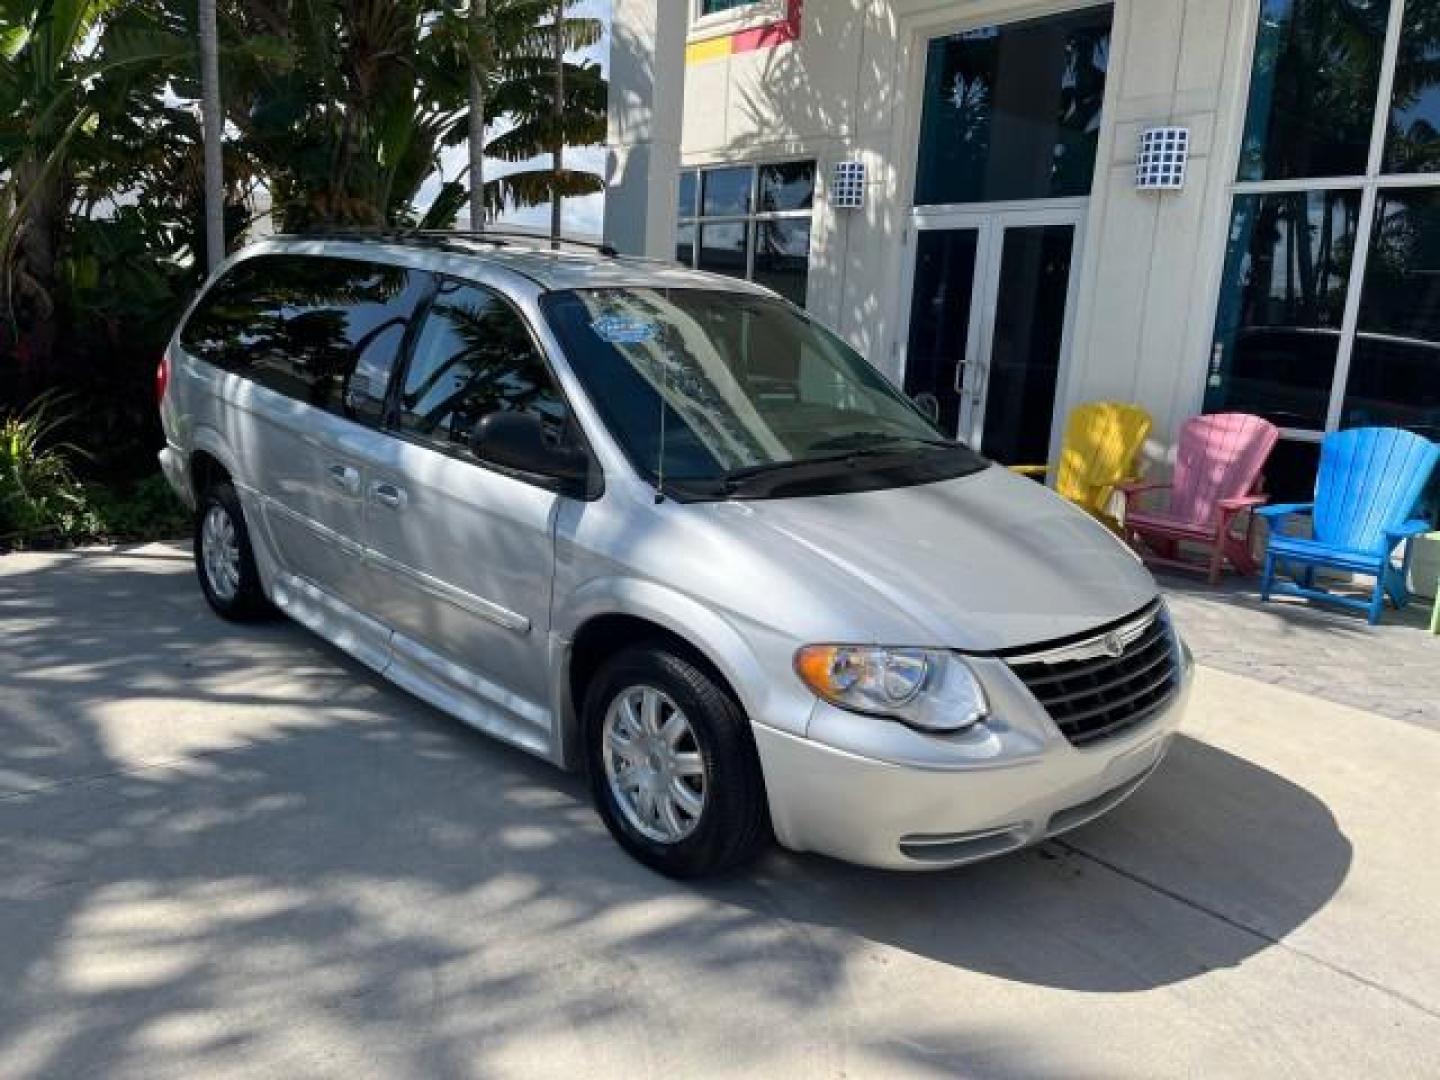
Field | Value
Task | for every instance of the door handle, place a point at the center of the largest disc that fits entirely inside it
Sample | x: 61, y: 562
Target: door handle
x: 345, y: 477
x: 387, y: 494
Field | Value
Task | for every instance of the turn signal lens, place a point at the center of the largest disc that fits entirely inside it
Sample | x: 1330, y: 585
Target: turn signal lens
x: 929, y: 689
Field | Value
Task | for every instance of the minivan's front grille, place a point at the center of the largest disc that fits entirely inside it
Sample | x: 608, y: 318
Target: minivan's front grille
x: 1108, y: 683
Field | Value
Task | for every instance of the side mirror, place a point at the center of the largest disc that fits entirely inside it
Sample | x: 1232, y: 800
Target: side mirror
x: 516, y: 440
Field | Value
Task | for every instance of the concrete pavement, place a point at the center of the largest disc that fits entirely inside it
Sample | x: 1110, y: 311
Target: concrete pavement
x: 230, y: 851
x: 1318, y: 649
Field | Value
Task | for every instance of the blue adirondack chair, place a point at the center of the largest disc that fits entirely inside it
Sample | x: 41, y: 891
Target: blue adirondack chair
x: 1370, y: 480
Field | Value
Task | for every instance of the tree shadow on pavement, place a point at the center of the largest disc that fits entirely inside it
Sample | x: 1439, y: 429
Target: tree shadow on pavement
x: 1098, y: 909
x: 346, y: 881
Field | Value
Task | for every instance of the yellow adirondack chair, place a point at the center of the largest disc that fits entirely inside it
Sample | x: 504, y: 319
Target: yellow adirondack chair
x: 1102, y: 439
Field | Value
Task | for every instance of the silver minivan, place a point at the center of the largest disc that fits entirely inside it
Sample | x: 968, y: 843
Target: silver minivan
x: 663, y: 527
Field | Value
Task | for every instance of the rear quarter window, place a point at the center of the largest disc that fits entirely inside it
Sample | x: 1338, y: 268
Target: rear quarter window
x: 321, y: 330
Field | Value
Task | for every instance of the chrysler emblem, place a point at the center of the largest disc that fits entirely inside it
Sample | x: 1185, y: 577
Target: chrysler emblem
x: 1114, y: 645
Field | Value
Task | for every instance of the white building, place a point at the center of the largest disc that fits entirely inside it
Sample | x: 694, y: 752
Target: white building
x: 1005, y: 263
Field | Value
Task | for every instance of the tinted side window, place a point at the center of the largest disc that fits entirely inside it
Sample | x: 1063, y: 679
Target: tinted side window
x: 474, y: 356
x: 324, y: 331
x: 232, y: 318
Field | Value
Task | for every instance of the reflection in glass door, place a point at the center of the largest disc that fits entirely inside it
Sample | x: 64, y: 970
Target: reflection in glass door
x: 1010, y: 124
x: 989, y: 319
x: 941, y: 312
x: 1027, y: 342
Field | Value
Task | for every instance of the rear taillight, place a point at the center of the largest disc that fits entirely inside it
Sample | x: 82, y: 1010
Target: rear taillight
x: 162, y: 377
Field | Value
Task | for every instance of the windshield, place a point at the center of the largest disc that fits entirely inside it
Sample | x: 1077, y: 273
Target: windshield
x: 730, y: 393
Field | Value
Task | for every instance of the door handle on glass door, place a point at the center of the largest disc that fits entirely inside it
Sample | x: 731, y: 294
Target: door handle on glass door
x: 387, y: 494
x: 345, y: 477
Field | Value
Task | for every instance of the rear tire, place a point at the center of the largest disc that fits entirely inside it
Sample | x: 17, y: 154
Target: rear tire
x: 673, y: 767
x: 224, y: 559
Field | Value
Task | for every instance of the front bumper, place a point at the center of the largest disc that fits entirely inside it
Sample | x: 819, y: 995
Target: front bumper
x: 923, y: 802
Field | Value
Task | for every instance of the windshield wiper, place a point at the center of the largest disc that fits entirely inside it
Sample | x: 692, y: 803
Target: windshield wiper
x: 849, y: 449
x: 875, y: 441
x: 735, y: 478
x: 749, y: 472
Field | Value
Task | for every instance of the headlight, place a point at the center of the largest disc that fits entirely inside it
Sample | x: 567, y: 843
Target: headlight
x: 928, y: 689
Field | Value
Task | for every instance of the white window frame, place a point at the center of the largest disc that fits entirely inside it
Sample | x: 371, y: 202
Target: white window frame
x: 752, y: 216
x: 1369, y: 185
x: 744, y: 17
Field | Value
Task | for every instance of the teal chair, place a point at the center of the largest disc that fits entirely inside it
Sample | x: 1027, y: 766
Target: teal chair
x: 1369, y: 483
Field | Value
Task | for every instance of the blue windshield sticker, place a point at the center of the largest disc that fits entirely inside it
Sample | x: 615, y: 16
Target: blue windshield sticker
x: 624, y: 330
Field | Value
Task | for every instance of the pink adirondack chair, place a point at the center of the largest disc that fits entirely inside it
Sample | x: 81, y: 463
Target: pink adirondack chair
x: 1218, y: 476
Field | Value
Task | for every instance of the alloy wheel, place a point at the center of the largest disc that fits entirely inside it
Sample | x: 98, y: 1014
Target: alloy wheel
x: 220, y: 552
x: 653, y: 764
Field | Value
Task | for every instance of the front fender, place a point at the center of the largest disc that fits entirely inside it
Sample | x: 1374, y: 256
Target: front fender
x: 754, y: 659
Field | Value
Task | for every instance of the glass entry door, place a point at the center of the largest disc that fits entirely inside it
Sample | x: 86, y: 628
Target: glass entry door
x: 991, y: 302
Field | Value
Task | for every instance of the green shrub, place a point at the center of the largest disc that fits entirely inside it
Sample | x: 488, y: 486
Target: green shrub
x: 43, y: 504
x: 40, y: 498
x: 148, y: 510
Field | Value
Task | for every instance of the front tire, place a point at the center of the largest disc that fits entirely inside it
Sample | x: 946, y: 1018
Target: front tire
x: 224, y: 559
x: 673, y: 767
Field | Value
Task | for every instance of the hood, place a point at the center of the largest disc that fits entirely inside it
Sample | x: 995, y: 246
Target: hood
x: 984, y: 562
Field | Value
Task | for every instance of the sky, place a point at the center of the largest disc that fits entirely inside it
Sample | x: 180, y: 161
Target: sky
x: 582, y: 216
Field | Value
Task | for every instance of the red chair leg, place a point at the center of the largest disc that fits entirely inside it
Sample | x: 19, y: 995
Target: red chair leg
x: 1217, y: 559
x: 1237, y: 548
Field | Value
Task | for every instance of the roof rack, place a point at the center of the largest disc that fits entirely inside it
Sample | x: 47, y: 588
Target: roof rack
x: 518, y: 234
x: 495, y: 237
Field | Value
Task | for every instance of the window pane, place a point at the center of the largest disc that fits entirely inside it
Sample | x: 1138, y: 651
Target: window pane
x: 323, y: 331
x: 1312, y: 88
x: 790, y: 186
x: 710, y: 7
x: 1395, y: 368
x: 685, y: 245
x: 1013, y: 112
x: 233, y: 318
x: 724, y: 248
x: 726, y: 192
x: 1277, y: 330
x: 940, y: 320
x: 1290, y: 471
x: 474, y: 357
x: 1412, y: 142
x: 782, y: 256
x: 1028, y: 339
x: 689, y: 190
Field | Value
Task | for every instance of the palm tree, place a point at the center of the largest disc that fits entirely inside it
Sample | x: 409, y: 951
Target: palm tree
x: 350, y: 123
x: 479, y: 51
x: 212, y: 122
x: 62, y: 63
x: 548, y: 101
x: 557, y: 153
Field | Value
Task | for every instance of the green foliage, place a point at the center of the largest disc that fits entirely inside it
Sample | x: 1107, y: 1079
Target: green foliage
x: 71, y: 67
x: 347, y: 114
x: 147, y: 510
x: 338, y: 108
x: 44, y: 504
x: 40, y: 498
